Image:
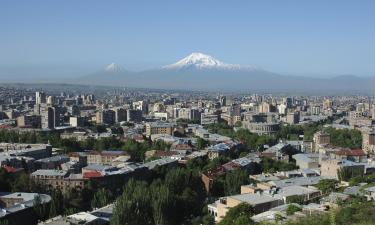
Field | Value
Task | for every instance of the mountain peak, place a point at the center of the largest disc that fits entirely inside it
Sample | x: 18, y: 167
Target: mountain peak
x: 113, y: 67
x: 198, y: 60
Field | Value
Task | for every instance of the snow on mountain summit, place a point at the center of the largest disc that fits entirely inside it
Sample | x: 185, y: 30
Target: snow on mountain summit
x: 113, y: 67
x: 199, y: 60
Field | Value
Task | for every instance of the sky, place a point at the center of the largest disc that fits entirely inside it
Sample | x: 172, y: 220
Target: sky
x: 71, y: 37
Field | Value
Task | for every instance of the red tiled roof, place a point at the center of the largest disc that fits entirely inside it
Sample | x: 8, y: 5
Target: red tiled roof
x: 350, y: 152
x: 92, y: 174
x: 231, y: 166
x: 11, y: 169
x: 357, y: 152
x: 212, y: 173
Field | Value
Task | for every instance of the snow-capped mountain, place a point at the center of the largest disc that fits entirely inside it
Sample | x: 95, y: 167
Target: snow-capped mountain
x: 202, y: 61
x: 113, y: 67
x: 199, y: 71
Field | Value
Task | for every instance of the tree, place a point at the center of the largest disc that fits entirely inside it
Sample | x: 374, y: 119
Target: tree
x: 201, y: 143
x: 5, y: 185
x: 238, y: 124
x: 292, y: 209
x: 234, y: 180
x: 162, y: 204
x: 101, y: 198
x: 133, y: 206
x: 327, y: 185
x: 39, y: 208
x: 346, y: 173
x: 239, y: 215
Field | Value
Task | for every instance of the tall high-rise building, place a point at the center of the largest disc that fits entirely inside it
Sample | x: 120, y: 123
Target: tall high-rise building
x: 40, y: 97
x: 105, y: 117
x: 134, y: 115
x: 223, y: 100
x: 327, y: 104
x: 50, y: 117
x: 120, y: 115
x: 50, y: 100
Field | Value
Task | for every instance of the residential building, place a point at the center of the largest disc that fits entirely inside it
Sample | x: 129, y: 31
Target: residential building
x: 158, y: 128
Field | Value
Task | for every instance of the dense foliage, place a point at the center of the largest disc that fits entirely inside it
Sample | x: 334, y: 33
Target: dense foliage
x: 239, y: 215
x: 270, y: 166
x: 327, y: 185
x: 345, y: 138
x: 176, y: 197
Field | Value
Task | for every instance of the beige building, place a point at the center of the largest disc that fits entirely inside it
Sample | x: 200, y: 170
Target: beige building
x: 158, y: 128
x: 330, y: 168
x: 321, y: 138
x: 58, y: 180
x: 29, y: 121
x: 368, y: 141
x: 261, y: 203
x: 105, y: 157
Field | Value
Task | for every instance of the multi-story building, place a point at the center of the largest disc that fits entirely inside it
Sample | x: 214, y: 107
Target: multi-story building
x: 159, y: 128
x: 207, y: 118
x: 134, y: 115
x: 321, y: 138
x: 29, y: 121
x: 58, y: 179
x: 105, y: 157
x: 331, y: 168
x: 120, y: 115
x: 40, y: 97
x: 368, y: 141
x: 292, y: 118
x: 18, y: 207
x: 105, y: 117
x: 50, y: 116
x: 77, y: 121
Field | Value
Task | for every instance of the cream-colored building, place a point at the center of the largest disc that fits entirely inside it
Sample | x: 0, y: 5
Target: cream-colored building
x: 368, y: 141
x: 321, y: 138
x: 261, y: 203
x: 158, y: 128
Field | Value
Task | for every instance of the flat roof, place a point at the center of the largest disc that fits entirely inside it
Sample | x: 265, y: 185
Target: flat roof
x: 253, y: 199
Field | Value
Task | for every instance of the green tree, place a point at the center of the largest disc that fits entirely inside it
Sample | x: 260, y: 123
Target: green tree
x: 101, y: 198
x: 239, y: 215
x: 201, y: 143
x: 327, y: 185
x: 234, y: 180
x: 291, y: 209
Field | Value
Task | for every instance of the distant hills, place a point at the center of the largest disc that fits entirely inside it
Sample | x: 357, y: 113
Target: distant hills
x: 199, y: 71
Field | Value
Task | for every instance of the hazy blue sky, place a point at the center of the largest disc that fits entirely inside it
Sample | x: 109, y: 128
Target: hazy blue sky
x: 295, y: 37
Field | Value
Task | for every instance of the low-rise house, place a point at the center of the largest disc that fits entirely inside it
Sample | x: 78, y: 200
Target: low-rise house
x: 306, y: 161
x: 104, y: 157
x: 260, y: 203
x: 355, y: 155
x: 217, y: 150
x: 165, y: 162
x: 99, y: 216
x: 209, y: 177
x: 330, y: 168
x: 369, y: 193
x: 53, y: 162
x: 17, y: 207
